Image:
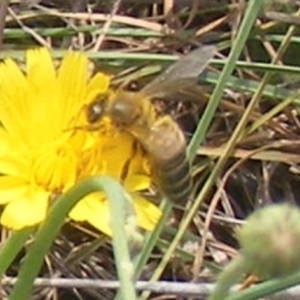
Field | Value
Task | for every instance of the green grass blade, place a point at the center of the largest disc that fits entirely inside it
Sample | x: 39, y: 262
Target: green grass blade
x: 151, y: 239
x: 11, y: 247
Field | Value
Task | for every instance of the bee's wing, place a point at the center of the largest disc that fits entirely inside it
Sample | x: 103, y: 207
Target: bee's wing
x: 181, y: 74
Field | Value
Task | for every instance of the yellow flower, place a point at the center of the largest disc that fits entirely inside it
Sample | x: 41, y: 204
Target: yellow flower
x: 42, y: 153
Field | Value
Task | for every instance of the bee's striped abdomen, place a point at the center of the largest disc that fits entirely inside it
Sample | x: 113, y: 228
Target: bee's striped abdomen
x: 165, y: 145
x: 173, y: 177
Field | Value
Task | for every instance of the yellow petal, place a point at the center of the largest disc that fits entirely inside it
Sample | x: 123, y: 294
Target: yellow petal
x: 136, y: 182
x: 55, y: 167
x: 98, y: 84
x: 94, y: 210
x: 148, y: 214
x: 116, y: 152
x: 12, y: 99
x: 72, y: 80
x: 44, y: 101
x: 8, y: 143
x: 13, y: 165
x: 11, y: 188
x: 25, y: 211
x: 39, y: 61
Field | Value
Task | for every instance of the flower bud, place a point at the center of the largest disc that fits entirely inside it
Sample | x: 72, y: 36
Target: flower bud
x: 270, y: 241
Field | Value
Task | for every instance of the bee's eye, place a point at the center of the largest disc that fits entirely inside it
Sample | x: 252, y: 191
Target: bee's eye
x: 94, y: 112
x: 95, y: 109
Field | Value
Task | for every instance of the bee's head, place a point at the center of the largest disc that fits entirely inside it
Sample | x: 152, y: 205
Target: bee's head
x: 125, y: 109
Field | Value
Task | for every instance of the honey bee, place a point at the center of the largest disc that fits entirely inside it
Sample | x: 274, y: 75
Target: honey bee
x: 160, y: 136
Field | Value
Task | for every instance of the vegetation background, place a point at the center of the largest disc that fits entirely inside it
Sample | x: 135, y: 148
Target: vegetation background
x: 243, y: 126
